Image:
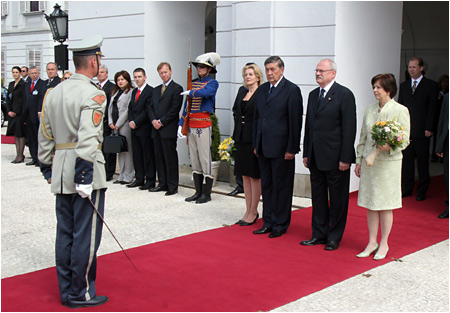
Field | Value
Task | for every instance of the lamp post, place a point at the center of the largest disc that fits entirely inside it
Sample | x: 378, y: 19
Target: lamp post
x: 59, y: 24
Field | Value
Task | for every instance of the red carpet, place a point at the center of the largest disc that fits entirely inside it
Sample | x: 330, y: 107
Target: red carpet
x: 8, y: 139
x: 230, y: 269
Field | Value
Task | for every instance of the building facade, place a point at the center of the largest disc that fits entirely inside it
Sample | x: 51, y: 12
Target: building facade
x: 364, y: 38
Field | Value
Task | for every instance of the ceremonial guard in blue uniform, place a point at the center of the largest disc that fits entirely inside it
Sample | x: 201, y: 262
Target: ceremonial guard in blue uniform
x: 72, y: 128
x: 203, y: 95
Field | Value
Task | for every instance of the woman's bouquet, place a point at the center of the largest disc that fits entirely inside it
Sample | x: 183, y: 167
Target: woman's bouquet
x: 385, y: 132
x: 226, y: 149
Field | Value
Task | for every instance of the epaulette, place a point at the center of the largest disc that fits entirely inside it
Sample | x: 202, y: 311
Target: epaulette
x: 97, y: 86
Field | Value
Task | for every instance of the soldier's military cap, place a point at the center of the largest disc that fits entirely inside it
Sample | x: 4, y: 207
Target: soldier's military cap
x: 88, y: 46
x: 210, y: 59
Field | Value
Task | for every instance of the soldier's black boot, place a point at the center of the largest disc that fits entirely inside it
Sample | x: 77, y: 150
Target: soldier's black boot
x: 198, y: 182
x: 206, y: 194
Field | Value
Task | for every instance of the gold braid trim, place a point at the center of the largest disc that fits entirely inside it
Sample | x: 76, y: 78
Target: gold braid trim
x: 44, y: 127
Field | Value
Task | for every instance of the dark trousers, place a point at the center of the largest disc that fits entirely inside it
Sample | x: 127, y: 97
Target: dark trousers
x: 240, y: 181
x: 110, y: 158
x: 446, y: 169
x: 78, y: 235
x: 329, y: 218
x: 32, y: 134
x: 166, y: 161
x: 418, y: 148
x: 144, y: 159
x: 277, y: 184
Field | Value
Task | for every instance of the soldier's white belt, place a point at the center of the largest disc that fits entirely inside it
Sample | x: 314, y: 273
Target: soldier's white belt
x: 70, y: 145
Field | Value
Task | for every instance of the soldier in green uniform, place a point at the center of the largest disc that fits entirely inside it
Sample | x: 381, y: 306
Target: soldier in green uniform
x: 71, y: 128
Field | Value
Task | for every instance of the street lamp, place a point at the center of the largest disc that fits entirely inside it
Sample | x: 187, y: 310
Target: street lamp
x: 59, y: 25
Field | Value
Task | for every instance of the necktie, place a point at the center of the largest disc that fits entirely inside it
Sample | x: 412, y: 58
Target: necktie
x: 137, y: 95
x: 414, y: 86
x: 321, y: 96
x: 272, y: 88
x: 32, y: 87
x: 163, y: 89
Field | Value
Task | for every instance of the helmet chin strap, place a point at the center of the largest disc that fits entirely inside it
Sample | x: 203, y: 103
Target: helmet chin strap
x: 98, y: 65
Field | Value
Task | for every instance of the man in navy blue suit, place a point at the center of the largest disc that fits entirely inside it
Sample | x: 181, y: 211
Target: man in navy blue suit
x: 32, y: 103
x: 276, y: 141
x: 328, y: 152
x: 141, y: 133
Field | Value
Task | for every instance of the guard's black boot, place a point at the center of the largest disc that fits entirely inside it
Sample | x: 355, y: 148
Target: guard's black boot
x: 198, y: 182
x: 206, y: 194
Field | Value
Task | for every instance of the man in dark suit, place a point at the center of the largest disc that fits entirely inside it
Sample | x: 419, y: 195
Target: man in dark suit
x: 32, y: 103
x: 141, y: 133
x: 164, y: 115
x: 419, y: 95
x: 328, y: 151
x: 106, y: 85
x: 52, y: 73
x: 276, y: 140
x: 442, y: 146
x: 24, y: 73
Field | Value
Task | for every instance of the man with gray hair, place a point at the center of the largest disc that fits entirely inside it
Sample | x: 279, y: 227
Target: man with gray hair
x: 106, y: 85
x: 328, y: 151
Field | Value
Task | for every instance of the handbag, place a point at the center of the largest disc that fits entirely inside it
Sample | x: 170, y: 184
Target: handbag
x: 115, y: 143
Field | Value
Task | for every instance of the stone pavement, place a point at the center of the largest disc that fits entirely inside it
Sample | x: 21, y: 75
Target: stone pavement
x: 419, y: 283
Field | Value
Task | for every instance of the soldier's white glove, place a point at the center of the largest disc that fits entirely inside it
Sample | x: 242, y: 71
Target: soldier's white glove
x: 180, y: 134
x: 84, y: 190
x: 185, y: 93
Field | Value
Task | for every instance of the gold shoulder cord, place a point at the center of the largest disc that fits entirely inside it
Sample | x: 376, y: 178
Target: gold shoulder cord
x: 44, y: 127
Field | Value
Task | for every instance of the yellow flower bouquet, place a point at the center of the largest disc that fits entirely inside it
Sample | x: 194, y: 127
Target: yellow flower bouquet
x: 227, y: 149
x: 385, y: 132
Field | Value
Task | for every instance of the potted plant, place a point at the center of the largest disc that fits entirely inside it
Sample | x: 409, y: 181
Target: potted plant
x: 215, y: 142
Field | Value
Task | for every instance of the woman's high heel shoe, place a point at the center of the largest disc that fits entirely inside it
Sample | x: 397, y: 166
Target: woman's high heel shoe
x: 379, y: 256
x: 365, y: 254
x: 250, y: 223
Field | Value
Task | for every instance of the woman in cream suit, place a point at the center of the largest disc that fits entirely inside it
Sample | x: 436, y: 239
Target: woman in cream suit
x: 118, y: 121
x: 380, y: 185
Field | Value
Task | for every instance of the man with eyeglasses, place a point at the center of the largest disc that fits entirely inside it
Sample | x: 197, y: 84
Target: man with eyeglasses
x: 328, y: 151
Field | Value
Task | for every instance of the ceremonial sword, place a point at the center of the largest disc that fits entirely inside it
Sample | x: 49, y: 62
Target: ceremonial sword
x: 104, y: 222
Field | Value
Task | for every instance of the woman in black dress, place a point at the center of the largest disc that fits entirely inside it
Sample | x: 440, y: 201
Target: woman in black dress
x: 14, y: 102
x: 246, y: 163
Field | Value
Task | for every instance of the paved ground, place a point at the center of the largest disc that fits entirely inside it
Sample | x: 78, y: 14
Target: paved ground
x: 420, y: 283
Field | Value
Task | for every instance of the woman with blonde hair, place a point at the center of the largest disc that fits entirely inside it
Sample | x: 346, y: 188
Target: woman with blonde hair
x: 246, y: 163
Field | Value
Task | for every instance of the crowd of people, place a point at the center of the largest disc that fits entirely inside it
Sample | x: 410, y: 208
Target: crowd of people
x: 65, y: 121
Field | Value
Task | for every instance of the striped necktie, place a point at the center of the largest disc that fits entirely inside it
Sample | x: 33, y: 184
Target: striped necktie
x: 414, y: 86
x: 163, y: 89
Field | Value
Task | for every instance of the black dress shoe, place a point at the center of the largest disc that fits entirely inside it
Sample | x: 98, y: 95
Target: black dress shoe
x: 239, y: 222
x: 332, y: 245
x: 98, y: 300
x: 171, y: 192
x: 118, y: 182
x: 244, y: 223
x: 420, y: 198
x: 135, y: 184
x: 313, y: 241
x: 125, y: 182
x: 31, y: 163
x: 236, y: 191
x: 275, y: 233
x: 158, y: 188
x: 263, y: 230
x: 443, y: 214
x: 146, y: 187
